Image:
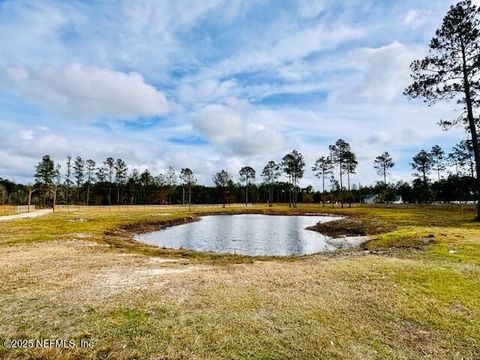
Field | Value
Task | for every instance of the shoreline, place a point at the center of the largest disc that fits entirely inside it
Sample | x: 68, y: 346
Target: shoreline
x: 343, y: 240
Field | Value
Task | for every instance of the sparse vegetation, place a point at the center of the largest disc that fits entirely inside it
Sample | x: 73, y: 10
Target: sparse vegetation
x: 411, y: 292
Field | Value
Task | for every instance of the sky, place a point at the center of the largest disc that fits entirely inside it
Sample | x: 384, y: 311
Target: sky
x: 214, y: 84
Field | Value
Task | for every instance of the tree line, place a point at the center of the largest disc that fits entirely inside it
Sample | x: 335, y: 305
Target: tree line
x: 112, y: 182
x: 450, y: 72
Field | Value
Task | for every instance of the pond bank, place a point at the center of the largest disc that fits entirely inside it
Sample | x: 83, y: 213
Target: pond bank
x: 348, y: 226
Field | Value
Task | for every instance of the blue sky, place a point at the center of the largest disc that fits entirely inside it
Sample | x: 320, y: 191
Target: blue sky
x: 214, y: 84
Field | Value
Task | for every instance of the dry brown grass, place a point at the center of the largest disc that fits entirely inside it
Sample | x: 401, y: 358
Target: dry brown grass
x: 133, y: 303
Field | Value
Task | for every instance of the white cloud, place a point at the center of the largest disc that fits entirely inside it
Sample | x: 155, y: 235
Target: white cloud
x: 206, y: 55
x: 26, y: 134
x: 235, y: 131
x: 140, y: 34
x: 209, y: 90
x: 415, y: 18
x: 86, y: 92
x: 278, y: 47
x: 311, y: 8
x: 381, y: 73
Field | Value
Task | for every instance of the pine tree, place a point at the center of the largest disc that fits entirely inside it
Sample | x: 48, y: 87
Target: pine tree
x: 78, y: 174
x: 323, y: 166
x: 108, y: 165
x: 338, y: 153
x: 451, y: 71
x: 68, y: 176
x: 223, y: 180
x: 270, y: 174
x: 422, y: 163
x: 247, y: 176
x: 382, y: 164
x: 294, y: 166
x: 188, y: 179
x: 438, y: 160
x: 45, y: 175
x: 121, y: 171
x: 350, y: 167
x: 90, y: 166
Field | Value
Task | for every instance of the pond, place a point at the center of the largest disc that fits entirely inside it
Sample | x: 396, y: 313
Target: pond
x: 248, y: 234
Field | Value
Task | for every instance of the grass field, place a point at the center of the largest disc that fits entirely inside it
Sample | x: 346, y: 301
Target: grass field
x: 411, y: 292
x: 7, y: 212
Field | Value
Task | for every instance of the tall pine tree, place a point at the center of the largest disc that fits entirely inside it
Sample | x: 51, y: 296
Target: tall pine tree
x: 451, y: 71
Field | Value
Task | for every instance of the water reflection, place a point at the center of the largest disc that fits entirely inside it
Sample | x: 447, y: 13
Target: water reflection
x: 245, y: 234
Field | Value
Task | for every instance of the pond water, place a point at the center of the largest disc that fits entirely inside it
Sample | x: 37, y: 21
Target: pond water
x: 248, y: 234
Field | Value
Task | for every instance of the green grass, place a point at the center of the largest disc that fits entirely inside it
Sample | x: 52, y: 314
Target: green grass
x: 5, y: 213
x: 411, y: 292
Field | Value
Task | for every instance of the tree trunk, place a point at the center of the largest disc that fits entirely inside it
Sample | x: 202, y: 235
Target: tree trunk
x: 88, y: 193
x: 290, y: 197
x: 270, y: 195
x: 296, y: 192
x: 54, y: 198
x: 30, y: 191
x: 294, y: 179
x: 425, y: 184
x: 472, y: 126
x: 290, y: 191
x: 246, y: 196
x: 341, y: 186
x: 293, y: 192
x: 323, y: 188
x: 349, y: 194
x: 323, y: 182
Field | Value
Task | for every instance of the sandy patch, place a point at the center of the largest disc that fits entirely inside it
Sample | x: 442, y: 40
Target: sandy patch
x: 81, y: 272
x: 156, y: 260
x: 32, y: 214
x: 347, y: 241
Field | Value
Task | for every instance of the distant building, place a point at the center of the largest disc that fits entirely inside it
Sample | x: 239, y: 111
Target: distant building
x: 398, y: 200
x: 375, y: 199
x: 371, y: 199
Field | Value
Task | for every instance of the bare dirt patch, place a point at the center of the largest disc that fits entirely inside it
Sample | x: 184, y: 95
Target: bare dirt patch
x: 81, y: 272
x: 146, y: 226
x: 114, y: 281
x: 349, y: 227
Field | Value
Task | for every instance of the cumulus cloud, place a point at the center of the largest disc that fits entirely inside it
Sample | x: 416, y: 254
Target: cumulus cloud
x: 305, y: 73
x: 208, y: 90
x: 233, y: 133
x: 130, y: 35
x: 380, y: 74
x: 86, y: 92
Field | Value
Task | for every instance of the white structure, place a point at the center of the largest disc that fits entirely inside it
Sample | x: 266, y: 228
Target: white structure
x: 371, y: 199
